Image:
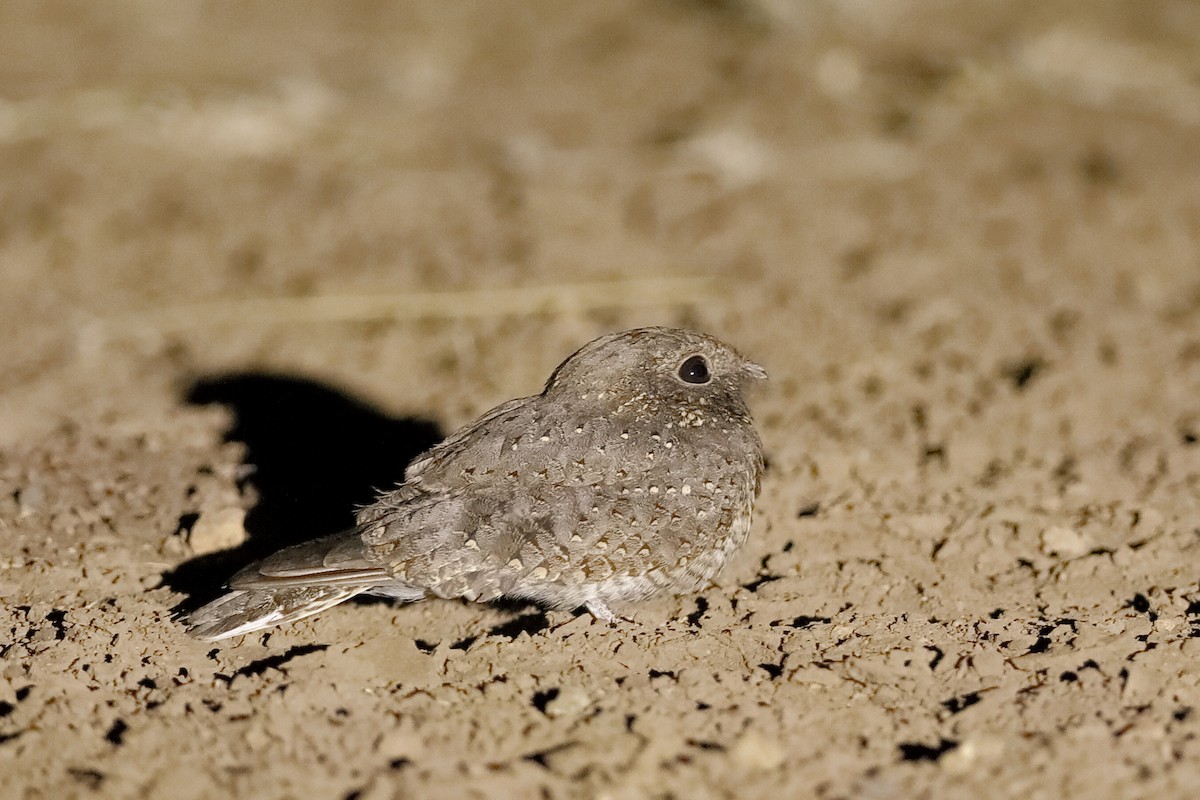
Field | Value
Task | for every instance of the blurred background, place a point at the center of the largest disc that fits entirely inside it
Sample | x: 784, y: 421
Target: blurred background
x: 193, y: 187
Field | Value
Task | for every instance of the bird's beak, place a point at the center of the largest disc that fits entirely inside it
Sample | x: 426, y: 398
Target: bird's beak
x: 754, y: 370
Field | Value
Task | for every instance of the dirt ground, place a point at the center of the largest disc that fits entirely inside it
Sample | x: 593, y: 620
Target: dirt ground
x: 254, y: 257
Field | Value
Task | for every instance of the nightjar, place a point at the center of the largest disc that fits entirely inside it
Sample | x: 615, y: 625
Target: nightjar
x: 635, y: 471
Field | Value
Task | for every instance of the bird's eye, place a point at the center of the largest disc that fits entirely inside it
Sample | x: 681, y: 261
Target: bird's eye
x: 694, y: 370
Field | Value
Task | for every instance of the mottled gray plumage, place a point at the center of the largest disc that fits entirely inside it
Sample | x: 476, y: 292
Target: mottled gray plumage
x: 635, y: 471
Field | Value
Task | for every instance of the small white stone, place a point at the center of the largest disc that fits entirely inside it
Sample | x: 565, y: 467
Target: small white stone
x: 570, y: 702
x: 1059, y: 540
x: 976, y: 748
x: 755, y: 751
x: 686, y: 489
x: 218, y: 530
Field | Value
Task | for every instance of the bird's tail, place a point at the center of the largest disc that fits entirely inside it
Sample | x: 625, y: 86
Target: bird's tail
x: 247, y: 610
x: 295, y: 583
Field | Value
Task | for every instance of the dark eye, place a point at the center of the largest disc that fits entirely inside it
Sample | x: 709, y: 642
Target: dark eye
x: 694, y: 370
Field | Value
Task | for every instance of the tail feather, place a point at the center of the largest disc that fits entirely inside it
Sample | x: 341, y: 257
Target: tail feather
x: 362, y: 578
x: 341, y: 553
x: 295, y: 583
x: 247, y: 610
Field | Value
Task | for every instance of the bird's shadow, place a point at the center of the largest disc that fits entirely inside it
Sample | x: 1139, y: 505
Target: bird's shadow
x: 317, y: 453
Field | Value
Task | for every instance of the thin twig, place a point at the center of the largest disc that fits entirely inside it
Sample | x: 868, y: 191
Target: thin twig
x: 465, y: 304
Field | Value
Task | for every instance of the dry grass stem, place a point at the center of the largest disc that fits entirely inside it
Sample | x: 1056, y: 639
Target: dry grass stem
x: 460, y: 304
